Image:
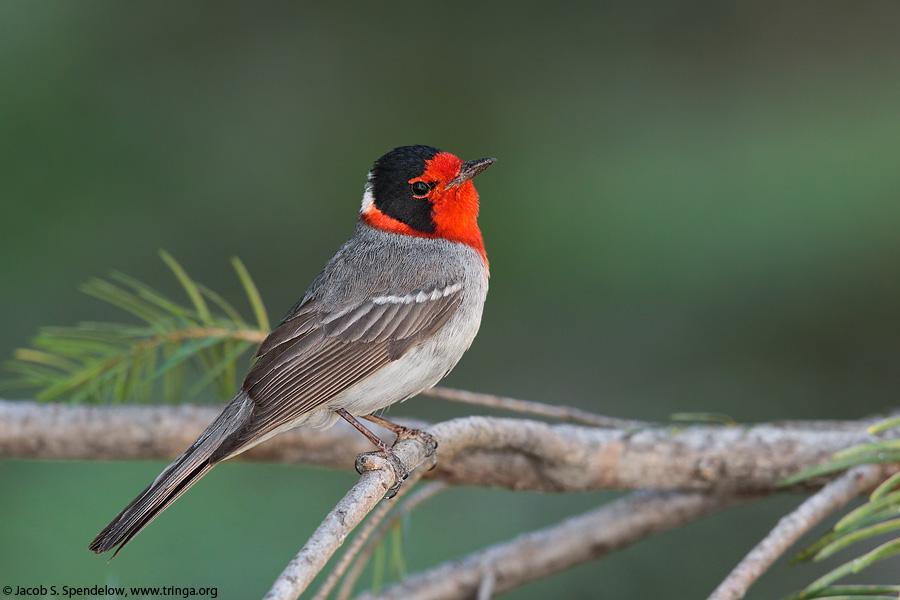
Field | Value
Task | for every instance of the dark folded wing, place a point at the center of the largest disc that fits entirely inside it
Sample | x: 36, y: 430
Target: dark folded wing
x: 314, y: 355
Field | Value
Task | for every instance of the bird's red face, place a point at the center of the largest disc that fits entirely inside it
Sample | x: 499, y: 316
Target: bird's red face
x: 424, y: 192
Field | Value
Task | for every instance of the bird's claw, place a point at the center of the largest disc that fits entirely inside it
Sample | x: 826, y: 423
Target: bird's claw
x: 423, y: 437
x: 365, y: 463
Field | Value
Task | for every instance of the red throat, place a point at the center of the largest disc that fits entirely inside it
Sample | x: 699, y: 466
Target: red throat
x: 454, y: 212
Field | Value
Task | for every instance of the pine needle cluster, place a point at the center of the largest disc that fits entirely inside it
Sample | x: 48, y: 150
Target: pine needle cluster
x: 878, y: 516
x: 103, y: 362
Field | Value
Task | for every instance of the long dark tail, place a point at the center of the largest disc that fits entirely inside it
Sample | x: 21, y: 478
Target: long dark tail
x: 208, y: 450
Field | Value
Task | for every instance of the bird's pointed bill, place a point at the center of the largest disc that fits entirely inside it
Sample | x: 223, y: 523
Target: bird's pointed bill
x: 469, y: 170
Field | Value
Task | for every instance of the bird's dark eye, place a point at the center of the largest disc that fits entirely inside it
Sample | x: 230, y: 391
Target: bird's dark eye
x: 420, y: 188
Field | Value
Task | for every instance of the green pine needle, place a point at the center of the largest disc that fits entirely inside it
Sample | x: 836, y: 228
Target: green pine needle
x: 187, y: 350
x: 871, y: 456
x: 53, y: 361
x: 226, y: 363
x: 224, y: 306
x: 881, y: 426
x: 864, y: 452
x: 379, y: 563
x: 855, y: 592
x: 886, y: 504
x: 256, y: 302
x: 886, y: 487
x: 810, y: 552
x: 856, y: 565
x: 704, y: 417
x: 189, y: 286
x: 398, y: 563
x: 144, y: 310
x: 856, y: 536
x: 149, y: 294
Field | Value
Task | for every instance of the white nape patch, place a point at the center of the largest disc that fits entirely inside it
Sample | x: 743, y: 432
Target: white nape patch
x: 420, y: 297
x: 368, y: 200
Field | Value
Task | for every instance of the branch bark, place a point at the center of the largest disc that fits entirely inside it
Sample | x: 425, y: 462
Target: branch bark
x: 539, y: 554
x: 517, y: 454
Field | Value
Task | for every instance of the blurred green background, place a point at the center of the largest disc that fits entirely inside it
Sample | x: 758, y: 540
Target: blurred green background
x: 695, y: 207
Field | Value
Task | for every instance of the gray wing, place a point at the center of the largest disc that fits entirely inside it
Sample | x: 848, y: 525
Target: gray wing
x: 315, y: 355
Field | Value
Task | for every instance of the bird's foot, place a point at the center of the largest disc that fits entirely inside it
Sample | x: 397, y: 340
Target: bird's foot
x: 371, y: 461
x: 407, y: 433
x: 423, y: 437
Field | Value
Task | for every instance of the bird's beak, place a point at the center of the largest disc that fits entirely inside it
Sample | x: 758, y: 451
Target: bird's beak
x: 470, y: 169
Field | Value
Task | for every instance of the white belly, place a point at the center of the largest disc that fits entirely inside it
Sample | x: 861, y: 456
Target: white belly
x: 419, y: 369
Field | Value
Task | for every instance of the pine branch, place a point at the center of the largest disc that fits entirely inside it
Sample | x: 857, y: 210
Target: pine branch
x: 791, y: 527
x: 876, y: 517
x: 119, y: 362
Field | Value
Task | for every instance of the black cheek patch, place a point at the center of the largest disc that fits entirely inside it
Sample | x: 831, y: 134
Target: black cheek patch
x: 392, y: 191
x: 403, y: 206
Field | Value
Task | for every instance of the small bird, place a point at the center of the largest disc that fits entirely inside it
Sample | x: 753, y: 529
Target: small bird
x: 391, y: 314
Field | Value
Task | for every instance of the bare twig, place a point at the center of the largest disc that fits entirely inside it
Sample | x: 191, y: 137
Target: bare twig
x: 421, y: 495
x: 791, y: 527
x: 539, y: 554
x: 370, y: 526
x: 353, y: 549
x: 355, y: 505
x: 516, y: 454
x: 377, y: 477
x: 528, y: 407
